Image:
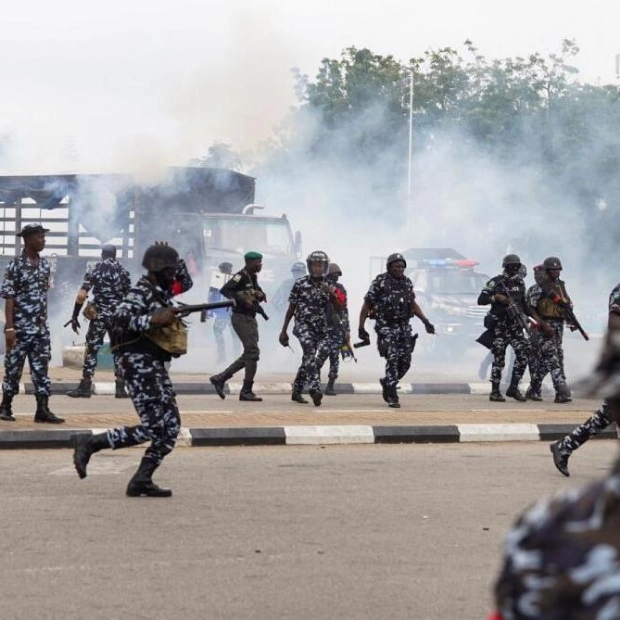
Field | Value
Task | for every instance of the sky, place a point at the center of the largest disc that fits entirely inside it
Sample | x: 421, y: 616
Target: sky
x: 136, y: 85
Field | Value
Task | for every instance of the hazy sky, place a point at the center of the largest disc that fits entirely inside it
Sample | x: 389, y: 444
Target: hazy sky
x: 108, y: 85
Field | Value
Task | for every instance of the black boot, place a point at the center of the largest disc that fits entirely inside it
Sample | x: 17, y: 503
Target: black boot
x: 316, y: 397
x: 6, y: 411
x: 392, y: 397
x: 43, y: 413
x: 120, y: 391
x: 496, y: 395
x: 142, y: 484
x: 562, y: 394
x: 533, y: 393
x: 329, y: 390
x: 560, y: 460
x: 247, y: 394
x: 83, y: 390
x: 513, y: 392
x: 219, y: 382
x: 298, y: 398
x: 384, y: 390
x: 84, y: 447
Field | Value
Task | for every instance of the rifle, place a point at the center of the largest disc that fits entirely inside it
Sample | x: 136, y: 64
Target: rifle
x: 362, y: 343
x: 513, y: 311
x: 187, y: 309
x: 346, y: 351
x: 558, y: 300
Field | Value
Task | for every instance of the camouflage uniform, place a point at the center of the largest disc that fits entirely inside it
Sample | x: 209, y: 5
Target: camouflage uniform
x: 337, y: 328
x: 28, y: 284
x: 562, y: 558
x: 551, y: 358
x: 536, y: 359
x: 142, y: 365
x: 390, y: 299
x: 110, y: 282
x: 310, y: 328
x: 600, y: 419
x: 506, y: 331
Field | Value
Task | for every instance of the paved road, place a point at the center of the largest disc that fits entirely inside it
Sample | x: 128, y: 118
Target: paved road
x: 262, y: 533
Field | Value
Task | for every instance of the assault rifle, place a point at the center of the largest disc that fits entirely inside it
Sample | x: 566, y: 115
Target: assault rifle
x: 558, y: 300
x: 513, y: 311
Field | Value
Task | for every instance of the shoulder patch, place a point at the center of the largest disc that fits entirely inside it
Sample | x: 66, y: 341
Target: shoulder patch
x: 236, y: 278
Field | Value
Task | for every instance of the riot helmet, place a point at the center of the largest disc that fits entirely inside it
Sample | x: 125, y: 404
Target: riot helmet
x: 334, y: 269
x: 158, y: 257
x: 318, y: 264
x: 511, y: 259
x: 392, y: 258
x: 225, y: 267
x: 552, y: 262
x: 298, y: 268
x: 108, y: 251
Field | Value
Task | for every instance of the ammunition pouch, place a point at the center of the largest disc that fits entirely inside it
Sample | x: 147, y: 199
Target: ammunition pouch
x: 412, y: 342
x: 490, y: 321
x: 90, y: 312
x: 171, y: 338
x: 382, y: 346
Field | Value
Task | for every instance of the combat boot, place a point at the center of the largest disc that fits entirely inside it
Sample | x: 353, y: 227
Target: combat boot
x: 43, y: 413
x: 560, y: 460
x: 329, y: 389
x: 392, y: 397
x: 247, y: 393
x: 513, y: 392
x: 533, y: 393
x: 384, y: 390
x: 562, y: 394
x: 84, y: 447
x: 496, y: 395
x: 142, y: 483
x: 219, y: 382
x: 83, y: 390
x: 316, y: 397
x: 120, y: 390
x: 6, y: 411
x: 298, y: 398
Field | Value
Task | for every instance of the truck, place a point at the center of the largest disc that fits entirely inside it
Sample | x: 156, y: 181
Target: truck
x: 447, y: 286
x: 207, y: 214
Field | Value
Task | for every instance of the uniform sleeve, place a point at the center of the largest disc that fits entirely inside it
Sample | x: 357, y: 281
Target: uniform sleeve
x: 533, y: 296
x: 231, y: 288
x: 484, y: 299
x: 125, y: 282
x: 345, y: 311
x: 8, y: 285
x: 133, y: 312
x: 410, y: 290
x: 372, y: 295
x: 87, y: 283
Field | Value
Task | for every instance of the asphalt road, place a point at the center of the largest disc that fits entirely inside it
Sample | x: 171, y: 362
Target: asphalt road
x: 262, y: 533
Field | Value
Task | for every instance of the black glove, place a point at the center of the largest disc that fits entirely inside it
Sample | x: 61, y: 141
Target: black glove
x: 363, y: 334
x: 429, y: 327
x: 74, y: 322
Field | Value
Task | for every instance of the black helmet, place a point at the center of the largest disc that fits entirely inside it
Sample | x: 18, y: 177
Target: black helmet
x: 318, y: 256
x: 511, y: 259
x: 392, y: 258
x: 108, y: 251
x: 334, y: 269
x: 552, y: 262
x: 225, y: 267
x: 159, y: 257
x: 298, y: 268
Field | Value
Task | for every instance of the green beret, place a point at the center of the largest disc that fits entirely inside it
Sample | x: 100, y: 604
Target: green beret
x: 253, y: 256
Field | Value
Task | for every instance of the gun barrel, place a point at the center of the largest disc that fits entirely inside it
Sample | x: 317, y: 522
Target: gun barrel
x: 185, y: 309
x: 362, y: 343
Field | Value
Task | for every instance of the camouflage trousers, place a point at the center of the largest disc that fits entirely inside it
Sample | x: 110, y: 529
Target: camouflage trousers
x: 154, y: 399
x: 551, y: 357
x: 94, y: 341
x: 508, y: 334
x: 594, y: 425
x: 311, y: 341
x: 395, y: 344
x: 36, y: 347
x: 331, y: 349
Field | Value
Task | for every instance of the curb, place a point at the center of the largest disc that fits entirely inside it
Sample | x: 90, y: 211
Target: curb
x: 107, y: 388
x: 321, y: 435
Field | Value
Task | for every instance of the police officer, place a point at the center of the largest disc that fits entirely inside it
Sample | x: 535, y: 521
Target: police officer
x: 137, y: 323
x: 308, y: 303
x: 338, y: 330
x: 535, y: 361
x: 550, y: 316
x: 501, y: 291
x: 110, y: 282
x: 244, y: 289
x: 26, y: 331
x: 221, y: 316
x: 601, y: 418
x: 280, y: 297
x: 392, y: 302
